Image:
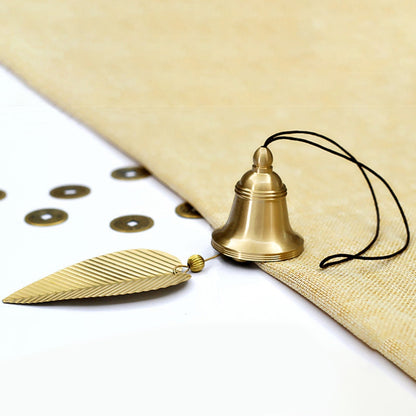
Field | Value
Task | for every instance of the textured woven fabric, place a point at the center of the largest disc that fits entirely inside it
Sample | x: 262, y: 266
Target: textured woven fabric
x: 192, y: 88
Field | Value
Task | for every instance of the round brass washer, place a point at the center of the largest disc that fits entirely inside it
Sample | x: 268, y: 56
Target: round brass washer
x: 70, y: 191
x: 130, y: 173
x: 131, y: 223
x: 46, y: 216
x: 186, y: 210
x: 2, y: 194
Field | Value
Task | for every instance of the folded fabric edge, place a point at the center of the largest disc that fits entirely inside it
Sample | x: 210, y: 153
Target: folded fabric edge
x: 407, y: 367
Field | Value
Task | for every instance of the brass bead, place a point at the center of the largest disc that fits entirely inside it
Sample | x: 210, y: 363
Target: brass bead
x: 196, y: 263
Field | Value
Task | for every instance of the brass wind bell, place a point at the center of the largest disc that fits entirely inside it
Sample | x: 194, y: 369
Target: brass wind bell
x: 258, y: 229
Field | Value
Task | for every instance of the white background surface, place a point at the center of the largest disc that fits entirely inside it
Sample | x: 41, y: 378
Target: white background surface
x: 231, y: 341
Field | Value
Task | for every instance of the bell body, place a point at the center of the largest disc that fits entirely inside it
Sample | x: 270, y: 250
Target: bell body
x: 258, y: 227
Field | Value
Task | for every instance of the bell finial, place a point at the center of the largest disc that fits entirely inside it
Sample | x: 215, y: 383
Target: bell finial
x: 258, y: 227
x: 263, y: 158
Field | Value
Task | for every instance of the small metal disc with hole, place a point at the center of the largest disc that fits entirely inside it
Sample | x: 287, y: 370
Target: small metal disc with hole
x: 186, y: 210
x: 131, y: 173
x: 70, y: 191
x: 2, y: 194
x: 131, y: 223
x: 46, y: 216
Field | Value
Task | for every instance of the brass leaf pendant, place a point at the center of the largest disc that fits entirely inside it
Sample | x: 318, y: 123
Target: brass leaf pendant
x: 119, y: 273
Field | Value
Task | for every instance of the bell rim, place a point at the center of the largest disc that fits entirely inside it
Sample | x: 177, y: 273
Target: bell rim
x: 272, y: 257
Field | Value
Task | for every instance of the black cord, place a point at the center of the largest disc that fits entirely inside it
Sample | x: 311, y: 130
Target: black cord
x: 343, y: 257
x: 376, y: 233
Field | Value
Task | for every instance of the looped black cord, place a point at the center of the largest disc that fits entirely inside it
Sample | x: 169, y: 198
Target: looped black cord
x: 343, y: 257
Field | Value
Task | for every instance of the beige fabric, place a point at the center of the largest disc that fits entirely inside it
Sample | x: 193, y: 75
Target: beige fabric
x: 191, y: 88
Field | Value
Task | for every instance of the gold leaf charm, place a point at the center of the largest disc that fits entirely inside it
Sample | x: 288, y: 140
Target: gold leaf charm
x: 119, y: 273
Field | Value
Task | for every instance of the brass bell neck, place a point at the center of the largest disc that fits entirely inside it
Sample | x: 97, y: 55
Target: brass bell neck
x: 261, y: 181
